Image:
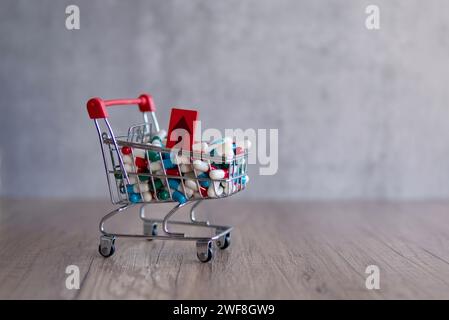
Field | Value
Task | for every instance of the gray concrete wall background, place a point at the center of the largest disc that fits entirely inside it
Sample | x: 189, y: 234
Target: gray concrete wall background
x: 361, y: 114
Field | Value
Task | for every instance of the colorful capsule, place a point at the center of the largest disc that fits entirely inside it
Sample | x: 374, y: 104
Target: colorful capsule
x: 126, y: 150
x: 142, y: 170
x: 157, y: 184
x: 186, y: 168
x: 168, y: 163
x: 218, y: 174
x: 174, y: 183
x: 176, y: 159
x: 189, y: 192
x: 166, y: 155
x: 141, y: 187
x: 204, y: 183
x: 153, y: 156
x: 134, y: 197
x: 157, y: 139
x: 141, y: 162
x: 200, y: 165
x: 191, y: 184
x: 127, y: 159
x: 132, y: 179
x: 215, y: 190
x: 147, y: 197
x: 138, y: 153
x: 130, y: 168
x: 173, y: 172
x: 228, y: 187
x: 203, y: 192
x: 163, y: 195
x: 222, y: 165
x: 155, y: 166
x: 179, y: 197
x: 143, y: 178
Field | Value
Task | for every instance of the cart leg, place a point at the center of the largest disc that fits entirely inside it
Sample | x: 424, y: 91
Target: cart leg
x: 142, y: 213
x: 149, y: 229
x: 107, y: 240
x: 107, y: 246
x: 149, y: 226
x: 192, y: 215
x: 204, y: 250
x: 109, y: 216
x: 224, y: 241
x: 166, y: 221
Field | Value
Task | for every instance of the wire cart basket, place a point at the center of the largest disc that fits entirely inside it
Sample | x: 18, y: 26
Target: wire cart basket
x: 138, y: 173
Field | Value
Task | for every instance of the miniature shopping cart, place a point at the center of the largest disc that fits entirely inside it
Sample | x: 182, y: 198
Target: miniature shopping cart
x: 125, y: 186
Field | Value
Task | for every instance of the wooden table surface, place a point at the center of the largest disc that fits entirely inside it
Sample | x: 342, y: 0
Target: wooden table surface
x: 279, y: 250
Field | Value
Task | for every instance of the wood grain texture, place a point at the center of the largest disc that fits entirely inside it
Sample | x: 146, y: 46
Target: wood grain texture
x: 279, y: 250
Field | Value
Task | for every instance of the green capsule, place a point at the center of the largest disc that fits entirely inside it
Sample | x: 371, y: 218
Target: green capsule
x: 157, y: 183
x: 153, y: 155
x: 224, y: 165
x: 144, y: 178
x: 163, y: 195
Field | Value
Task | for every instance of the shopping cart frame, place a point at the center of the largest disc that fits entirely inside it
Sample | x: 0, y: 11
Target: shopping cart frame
x: 108, y: 140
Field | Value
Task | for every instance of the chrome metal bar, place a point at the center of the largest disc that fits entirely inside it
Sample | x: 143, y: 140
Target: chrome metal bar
x: 97, y: 126
x: 167, y: 217
x: 125, y: 174
x: 156, y: 123
x: 110, y: 215
x: 193, y: 218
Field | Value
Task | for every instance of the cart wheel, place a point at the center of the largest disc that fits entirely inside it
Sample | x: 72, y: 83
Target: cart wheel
x: 224, y: 241
x: 150, y: 228
x: 107, y: 246
x: 204, y: 251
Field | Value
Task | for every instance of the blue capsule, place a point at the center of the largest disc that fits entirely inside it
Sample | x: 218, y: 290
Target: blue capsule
x: 166, y: 155
x: 129, y: 188
x: 179, y: 197
x: 174, y: 183
x: 176, y: 194
x: 134, y: 197
x: 168, y: 164
x: 204, y: 183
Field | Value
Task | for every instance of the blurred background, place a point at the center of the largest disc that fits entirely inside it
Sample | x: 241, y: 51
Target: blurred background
x: 361, y: 114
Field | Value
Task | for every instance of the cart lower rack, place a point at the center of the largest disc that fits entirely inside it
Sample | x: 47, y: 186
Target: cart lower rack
x: 140, y: 171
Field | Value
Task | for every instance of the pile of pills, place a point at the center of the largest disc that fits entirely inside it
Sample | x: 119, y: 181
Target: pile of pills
x: 154, y: 175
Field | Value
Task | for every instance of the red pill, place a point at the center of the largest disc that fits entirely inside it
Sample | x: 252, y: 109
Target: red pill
x: 126, y: 150
x: 203, y: 191
x: 141, y: 162
x: 142, y: 170
x: 172, y: 172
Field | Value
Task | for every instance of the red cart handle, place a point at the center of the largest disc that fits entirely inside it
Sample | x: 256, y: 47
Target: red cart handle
x: 96, y: 107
